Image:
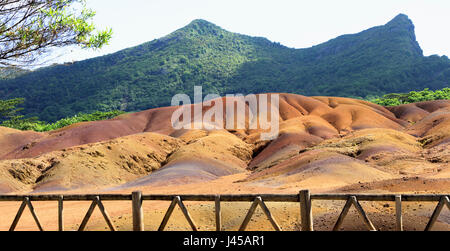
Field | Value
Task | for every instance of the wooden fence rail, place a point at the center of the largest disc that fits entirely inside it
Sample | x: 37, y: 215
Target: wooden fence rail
x: 304, y: 198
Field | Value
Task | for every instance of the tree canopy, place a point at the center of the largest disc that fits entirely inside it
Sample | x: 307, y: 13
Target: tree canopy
x: 30, y: 28
x: 8, y: 108
x: 9, y: 117
x: 394, y: 99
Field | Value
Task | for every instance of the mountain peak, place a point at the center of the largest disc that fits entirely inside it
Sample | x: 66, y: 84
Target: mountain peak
x: 200, y: 22
x: 202, y: 26
x: 376, y: 61
x: 401, y: 20
x: 401, y: 16
x: 397, y: 36
x: 197, y: 27
x: 402, y: 26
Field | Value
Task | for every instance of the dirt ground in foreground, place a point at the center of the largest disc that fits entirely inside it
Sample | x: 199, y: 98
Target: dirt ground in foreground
x: 287, y: 214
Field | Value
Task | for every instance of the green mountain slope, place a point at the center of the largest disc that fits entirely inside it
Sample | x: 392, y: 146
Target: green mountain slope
x: 377, y: 61
x: 11, y: 72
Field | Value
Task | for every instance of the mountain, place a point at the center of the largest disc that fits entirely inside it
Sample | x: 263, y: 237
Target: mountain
x: 380, y: 60
x: 11, y: 72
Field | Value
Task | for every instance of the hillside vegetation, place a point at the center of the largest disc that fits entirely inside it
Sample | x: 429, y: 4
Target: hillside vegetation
x: 394, y: 99
x: 21, y: 123
x: 11, y: 72
x: 380, y: 60
x: 41, y: 126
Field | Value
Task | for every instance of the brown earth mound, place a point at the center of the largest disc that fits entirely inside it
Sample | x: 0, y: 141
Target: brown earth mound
x: 323, y: 142
x: 98, y: 164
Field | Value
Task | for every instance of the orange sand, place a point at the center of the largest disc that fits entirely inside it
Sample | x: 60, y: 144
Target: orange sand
x: 325, y: 145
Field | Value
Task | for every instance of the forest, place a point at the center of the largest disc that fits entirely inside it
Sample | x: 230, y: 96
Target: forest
x: 10, y: 108
x: 381, y: 60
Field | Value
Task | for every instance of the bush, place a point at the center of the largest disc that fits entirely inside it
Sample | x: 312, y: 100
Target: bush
x: 40, y: 126
x: 394, y: 99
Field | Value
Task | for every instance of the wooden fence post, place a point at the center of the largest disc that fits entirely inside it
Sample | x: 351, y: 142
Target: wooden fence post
x: 305, y: 210
x: 398, y: 212
x: 138, y: 212
x: 218, y: 212
x: 60, y: 213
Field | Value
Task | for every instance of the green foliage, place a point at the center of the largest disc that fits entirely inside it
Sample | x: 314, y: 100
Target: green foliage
x: 8, y: 108
x: 9, y: 113
x: 30, y: 28
x: 40, y: 126
x: 394, y: 99
x: 380, y: 60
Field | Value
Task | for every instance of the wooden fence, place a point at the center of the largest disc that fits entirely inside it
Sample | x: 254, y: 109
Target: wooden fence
x: 304, y: 198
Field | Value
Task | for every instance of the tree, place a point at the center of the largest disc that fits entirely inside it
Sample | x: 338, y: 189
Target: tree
x: 394, y: 99
x: 9, y: 116
x: 8, y: 108
x: 29, y: 28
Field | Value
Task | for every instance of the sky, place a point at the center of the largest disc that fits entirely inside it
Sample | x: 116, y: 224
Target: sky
x: 293, y: 23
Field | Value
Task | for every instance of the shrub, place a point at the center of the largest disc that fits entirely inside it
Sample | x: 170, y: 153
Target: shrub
x: 394, y: 99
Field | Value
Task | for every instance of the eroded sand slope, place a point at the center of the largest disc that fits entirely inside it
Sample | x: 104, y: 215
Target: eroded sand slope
x: 324, y: 143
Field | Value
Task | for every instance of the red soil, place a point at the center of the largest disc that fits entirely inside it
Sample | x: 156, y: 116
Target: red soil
x: 322, y: 139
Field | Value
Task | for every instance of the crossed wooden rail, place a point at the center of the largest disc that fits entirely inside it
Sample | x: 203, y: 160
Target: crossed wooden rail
x: 303, y: 197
